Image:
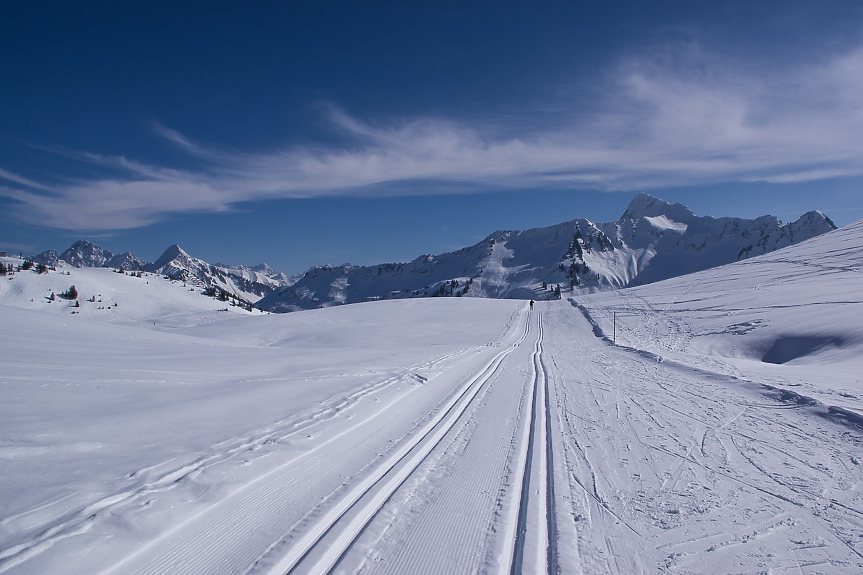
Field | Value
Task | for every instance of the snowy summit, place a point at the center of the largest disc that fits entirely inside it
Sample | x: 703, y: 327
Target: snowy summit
x: 653, y: 240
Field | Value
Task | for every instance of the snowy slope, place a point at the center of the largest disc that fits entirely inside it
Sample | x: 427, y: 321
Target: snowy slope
x: 105, y: 295
x: 448, y: 435
x: 653, y: 240
x: 791, y: 318
x: 106, y: 425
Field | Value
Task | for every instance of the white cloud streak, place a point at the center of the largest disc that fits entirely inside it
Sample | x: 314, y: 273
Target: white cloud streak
x: 18, y: 179
x: 661, y: 125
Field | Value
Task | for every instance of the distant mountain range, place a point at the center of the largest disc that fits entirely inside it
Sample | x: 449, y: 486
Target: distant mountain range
x: 653, y: 240
x: 243, y: 282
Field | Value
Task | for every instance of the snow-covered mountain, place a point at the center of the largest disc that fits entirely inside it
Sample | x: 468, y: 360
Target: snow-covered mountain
x: 243, y: 282
x: 84, y: 254
x: 126, y: 261
x: 653, y: 240
x: 261, y: 273
x: 48, y: 257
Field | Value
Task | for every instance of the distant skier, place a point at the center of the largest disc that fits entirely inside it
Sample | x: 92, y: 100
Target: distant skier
x: 531, y: 304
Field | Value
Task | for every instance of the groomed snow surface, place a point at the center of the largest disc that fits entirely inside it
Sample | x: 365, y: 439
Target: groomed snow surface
x: 706, y: 424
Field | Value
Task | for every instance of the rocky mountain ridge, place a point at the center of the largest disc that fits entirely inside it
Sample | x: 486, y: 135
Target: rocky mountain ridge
x: 653, y: 240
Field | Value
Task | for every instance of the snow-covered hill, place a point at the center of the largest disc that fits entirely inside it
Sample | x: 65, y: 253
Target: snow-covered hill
x: 653, y: 240
x: 790, y: 319
x: 139, y: 298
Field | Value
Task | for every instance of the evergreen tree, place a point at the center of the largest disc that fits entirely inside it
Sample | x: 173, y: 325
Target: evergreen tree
x: 71, y: 293
x: 27, y: 265
x: 2, y: 269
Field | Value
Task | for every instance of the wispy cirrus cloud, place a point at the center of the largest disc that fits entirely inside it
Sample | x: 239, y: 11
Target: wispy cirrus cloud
x: 660, y: 124
x: 18, y: 179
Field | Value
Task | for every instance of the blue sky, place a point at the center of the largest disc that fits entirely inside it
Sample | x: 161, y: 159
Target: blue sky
x: 312, y: 133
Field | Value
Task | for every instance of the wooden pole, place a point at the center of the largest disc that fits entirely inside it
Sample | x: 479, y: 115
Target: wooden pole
x: 614, y: 332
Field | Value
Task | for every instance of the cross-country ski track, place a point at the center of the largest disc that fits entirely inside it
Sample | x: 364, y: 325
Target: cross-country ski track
x: 334, y: 535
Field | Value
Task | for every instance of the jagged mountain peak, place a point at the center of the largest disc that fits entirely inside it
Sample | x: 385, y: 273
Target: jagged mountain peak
x: 126, y: 261
x: 245, y: 282
x: 173, y: 252
x: 813, y: 217
x: 84, y: 244
x: 48, y: 258
x: 84, y: 253
x: 646, y: 206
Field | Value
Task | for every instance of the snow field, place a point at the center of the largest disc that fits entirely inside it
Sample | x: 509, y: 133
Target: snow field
x: 214, y: 415
x: 676, y: 469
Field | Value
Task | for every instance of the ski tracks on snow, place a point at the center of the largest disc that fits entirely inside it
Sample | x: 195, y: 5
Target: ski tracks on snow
x: 143, y: 485
x: 307, y: 516
x: 325, y: 543
x: 258, y: 527
x: 472, y: 492
x: 698, y: 468
x: 535, y: 550
x: 438, y: 468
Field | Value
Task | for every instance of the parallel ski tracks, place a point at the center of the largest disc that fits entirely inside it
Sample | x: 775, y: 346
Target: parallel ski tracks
x: 322, y: 547
x: 319, y: 547
x: 147, y: 481
x: 537, y: 552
